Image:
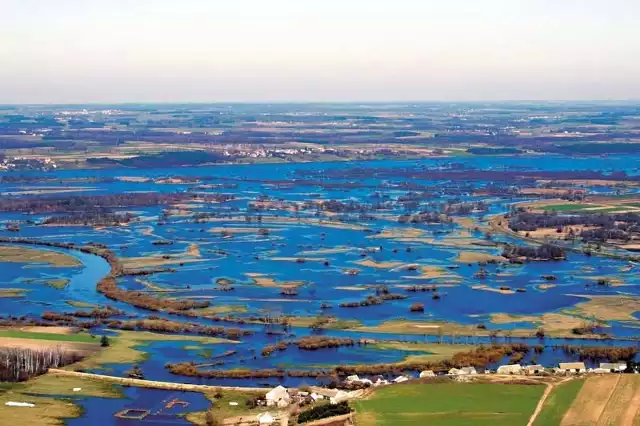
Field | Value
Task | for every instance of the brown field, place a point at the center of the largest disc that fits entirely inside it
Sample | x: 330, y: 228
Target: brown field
x: 550, y: 191
x: 264, y: 280
x: 478, y: 256
x: 554, y: 234
x: 429, y: 272
x: 591, y: 401
x: 623, y: 404
x: 609, y: 400
x: 608, y: 308
x: 52, y: 330
x: 545, y: 286
x: 37, y: 344
x: 399, y: 233
x: 379, y: 265
x: 556, y: 324
x: 193, y: 250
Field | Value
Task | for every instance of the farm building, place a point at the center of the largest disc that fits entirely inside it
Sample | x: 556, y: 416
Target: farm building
x: 339, y: 397
x: 265, y: 419
x: 400, y: 379
x: 533, y: 369
x: 571, y: 367
x: 315, y: 397
x: 464, y: 371
x: 379, y: 381
x: 616, y: 367
x: 327, y: 393
x: 356, y: 379
x: 427, y: 373
x: 278, y: 397
x: 468, y: 370
x: 509, y: 369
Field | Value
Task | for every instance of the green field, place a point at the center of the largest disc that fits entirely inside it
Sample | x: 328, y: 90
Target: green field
x: 612, y: 210
x: 578, y: 207
x: 79, y: 337
x: 449, y: 404
x: 558, y: 402
x: 568, y: 207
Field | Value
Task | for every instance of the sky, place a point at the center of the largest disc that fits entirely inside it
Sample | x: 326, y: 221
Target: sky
x: 108, y: 51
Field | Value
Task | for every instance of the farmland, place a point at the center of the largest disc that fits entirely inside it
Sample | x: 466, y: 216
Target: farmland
x: 611, y: 400
x: 449, y: 404
x: 558, y: 402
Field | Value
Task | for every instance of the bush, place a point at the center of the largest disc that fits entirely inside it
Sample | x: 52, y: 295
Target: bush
x: 210, y: 420
x: 324, y: 411
x: 417, y: 307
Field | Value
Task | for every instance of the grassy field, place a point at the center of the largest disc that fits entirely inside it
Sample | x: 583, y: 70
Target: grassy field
x: 80, y: 304
x: 58, y: 283
x: 424, y: 352
x: 568, y: 207
x: 13, y: 292
x: 558, y: 403
x: 47, y: 392
x: 123, y: 348
x: 22, y: 254
x: 57, y: 385
x: 221, y: 408
x: 564, y: 208
x: 47, y: 411
x: 79, y: 337
x: 449, y: 404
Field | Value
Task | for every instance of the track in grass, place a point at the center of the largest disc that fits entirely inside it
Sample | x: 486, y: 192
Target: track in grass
x: 558, y: 402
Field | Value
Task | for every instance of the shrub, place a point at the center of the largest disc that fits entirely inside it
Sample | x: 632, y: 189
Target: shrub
x: 417, y: 307
x: 324, y: 411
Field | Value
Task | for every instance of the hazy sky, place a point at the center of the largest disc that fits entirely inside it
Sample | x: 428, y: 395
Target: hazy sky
x: 61, y: 51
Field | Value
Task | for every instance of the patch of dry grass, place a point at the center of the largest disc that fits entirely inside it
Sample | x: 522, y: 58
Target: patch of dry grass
x: 20, y: 254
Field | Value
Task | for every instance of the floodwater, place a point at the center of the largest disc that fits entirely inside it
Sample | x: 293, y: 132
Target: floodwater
x: 273, y: 256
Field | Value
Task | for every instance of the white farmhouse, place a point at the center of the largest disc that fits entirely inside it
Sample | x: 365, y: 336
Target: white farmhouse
x: 278, y: 397
x: 509, y: 369
x: 572, y: 367
x: 616, y: 367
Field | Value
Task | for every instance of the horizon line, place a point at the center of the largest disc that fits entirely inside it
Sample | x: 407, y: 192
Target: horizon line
x: 336, y: 102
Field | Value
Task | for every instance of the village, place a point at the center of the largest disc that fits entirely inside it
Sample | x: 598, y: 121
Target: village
x: 283, y: 401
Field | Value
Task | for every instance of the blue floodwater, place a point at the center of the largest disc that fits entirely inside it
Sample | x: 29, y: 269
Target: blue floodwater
x: 234, y: 257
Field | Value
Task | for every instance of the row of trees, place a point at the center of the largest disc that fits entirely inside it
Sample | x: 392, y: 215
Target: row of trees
x: 101, y: 203
x: 527, y: 221
x: 543, y: 252
x: 20, y: 364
